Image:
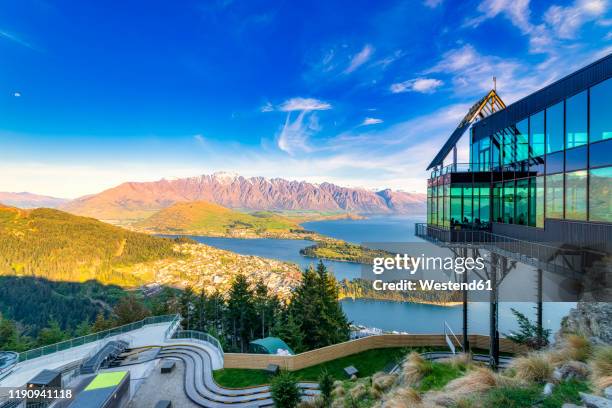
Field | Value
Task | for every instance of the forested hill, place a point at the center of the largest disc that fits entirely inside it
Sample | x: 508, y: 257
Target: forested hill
x: 63, y: 247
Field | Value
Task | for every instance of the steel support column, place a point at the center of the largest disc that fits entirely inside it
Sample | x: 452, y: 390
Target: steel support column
x: 493, y: 314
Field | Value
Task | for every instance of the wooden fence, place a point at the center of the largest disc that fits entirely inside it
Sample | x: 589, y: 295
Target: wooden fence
x: 324, y: 354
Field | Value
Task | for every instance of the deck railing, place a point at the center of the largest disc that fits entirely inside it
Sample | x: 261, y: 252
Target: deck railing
x: 79, y: 341
x: 201, y: 336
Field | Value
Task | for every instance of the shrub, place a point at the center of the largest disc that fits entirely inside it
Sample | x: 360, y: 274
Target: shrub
x: 285, y: 391
x: 326, y: 385
x: 534, y: 367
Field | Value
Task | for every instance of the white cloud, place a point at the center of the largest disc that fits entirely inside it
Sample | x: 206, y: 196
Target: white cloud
x: 267, y: 107
x: 360, y: 58
x: 421, y: 85
x: 16, y: 94
x: 371, y: 121
x: 304, y: 104
x: 294, y: 135
x: 432, y: 3
x: 566, y: 21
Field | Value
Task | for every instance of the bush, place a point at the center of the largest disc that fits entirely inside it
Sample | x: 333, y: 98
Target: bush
x: 285, y: 391
x: 535, y: 367
x: 326, y: 385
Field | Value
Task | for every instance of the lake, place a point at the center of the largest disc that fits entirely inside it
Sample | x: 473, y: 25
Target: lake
x: 409, y: 317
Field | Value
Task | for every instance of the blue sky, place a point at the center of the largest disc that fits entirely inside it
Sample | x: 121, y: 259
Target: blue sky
x: 358, y: 93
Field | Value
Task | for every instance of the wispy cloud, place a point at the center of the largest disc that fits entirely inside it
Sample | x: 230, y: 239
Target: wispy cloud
x: 432, y: 3
x: 566, y: 21
x: 293, y: 137
x: 360, y: 58
x: 304, y: 104
x: 371, y: 121
x: 421, y: 85
x: 267, y: 107
x: 16, y: 39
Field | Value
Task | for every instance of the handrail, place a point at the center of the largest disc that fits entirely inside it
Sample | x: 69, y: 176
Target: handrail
x: 533, y: 253
x: 198, y: 335
x: 79, y: 341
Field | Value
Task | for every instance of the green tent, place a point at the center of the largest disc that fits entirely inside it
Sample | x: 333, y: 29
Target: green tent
x: 269, y: 345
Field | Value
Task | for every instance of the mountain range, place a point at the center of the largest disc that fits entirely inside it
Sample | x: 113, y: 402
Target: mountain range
x: 140, y: 200
x: 30, y: 200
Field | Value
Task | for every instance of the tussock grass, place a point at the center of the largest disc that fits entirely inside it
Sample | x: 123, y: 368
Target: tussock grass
x: 358, y: 391
x: 534, y: 367
x: 414, y: 369
x: 403, y: 397
x: 460, y: 361
x: 601, y: 367
x: 571, y: 347
x: 382, y: 382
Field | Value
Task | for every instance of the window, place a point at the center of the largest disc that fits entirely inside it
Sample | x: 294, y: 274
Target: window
x: 554, y: 128
x: 600, y: 154
x: 467, y: 205
x: 509, y: 152
x: 539, y: 202
x: 495, y: 153
x: 509, y: 202
x: 554, y: 196
x: 522, y: 190
x: 446, y: 218
x: 440, y: 206
x: 600, y: 191
x: 536, y: 134
x: 434, y: 205
x: 484, y: 204
x: 601, y: 120
x: 522, y: 140
x: 497, y: 202
x: 576, y: 158
x: 576, y: 120
x: 575, y: 195
x: 554, y: 163
x: 455, y: 215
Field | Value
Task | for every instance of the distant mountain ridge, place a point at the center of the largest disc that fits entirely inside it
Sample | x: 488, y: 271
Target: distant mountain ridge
x: 137, y: 200
x: 30, y: 200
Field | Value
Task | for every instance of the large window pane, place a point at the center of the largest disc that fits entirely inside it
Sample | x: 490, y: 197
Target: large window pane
x: 554, y: 163
x: 536, y: 134
x: 485, y: 204
x: 601, y: 119
x: 497, y: 202
x: 576, y: 159
x: 522, y: 140
x: 576, y: 120
x: 509, y: 152
x: 509, y: 202
x: 575, y: 195
x: 600, y: 154
x: 600, y: 191
x: 522, y: 205
x: 554, y: 196
x: 539, y: 202
x: 467, y: 205
x: 554, y: 128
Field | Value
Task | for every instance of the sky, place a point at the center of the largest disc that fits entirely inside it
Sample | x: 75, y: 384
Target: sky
x: 357, y: 93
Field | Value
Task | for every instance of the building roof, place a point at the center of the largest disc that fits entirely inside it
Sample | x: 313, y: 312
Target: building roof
x: 44, y: 377
x: 99, y: 390
x: 485, y: 106
x: 574, y: 83
x: 272, y: 344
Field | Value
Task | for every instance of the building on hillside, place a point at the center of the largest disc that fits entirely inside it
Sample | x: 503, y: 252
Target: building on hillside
x: 536, y: 192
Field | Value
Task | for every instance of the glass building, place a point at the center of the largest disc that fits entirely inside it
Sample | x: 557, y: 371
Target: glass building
x: 539, y: 169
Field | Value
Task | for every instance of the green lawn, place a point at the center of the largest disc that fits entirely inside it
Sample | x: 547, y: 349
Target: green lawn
x: 367, y: 362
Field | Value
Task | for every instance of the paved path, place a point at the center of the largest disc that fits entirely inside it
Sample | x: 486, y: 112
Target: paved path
x: 202, y: 389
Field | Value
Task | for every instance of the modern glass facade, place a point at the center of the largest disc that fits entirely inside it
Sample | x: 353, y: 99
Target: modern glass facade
x: 552, y: 164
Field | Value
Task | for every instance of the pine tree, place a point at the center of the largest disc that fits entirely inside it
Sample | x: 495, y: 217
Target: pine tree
x: 83, y: 329
x: 101, y: 323
x: 285, y: 391
x: 326, y: 385
x: 51, y: 334
x: 241, y: 312
x: 288, y: 329
x: 129, y: 310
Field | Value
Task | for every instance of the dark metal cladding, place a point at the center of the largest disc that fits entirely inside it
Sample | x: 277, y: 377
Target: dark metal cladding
x: 578, y: 81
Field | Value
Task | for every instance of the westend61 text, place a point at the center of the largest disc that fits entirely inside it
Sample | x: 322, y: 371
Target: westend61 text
x: 421, y: 284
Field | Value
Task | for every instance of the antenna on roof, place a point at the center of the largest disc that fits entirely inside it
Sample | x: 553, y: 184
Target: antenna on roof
x: 495, y: 84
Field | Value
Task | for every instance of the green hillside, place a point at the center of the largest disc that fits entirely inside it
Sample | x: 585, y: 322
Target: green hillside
x: 204, y: 218
x: 59, y: 246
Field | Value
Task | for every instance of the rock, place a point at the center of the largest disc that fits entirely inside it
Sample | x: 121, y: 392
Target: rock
x: 593, y: 319
x: 568, y: 405
x: 548, y: 389
x: 593, y: 401
x: 572, y: 370
x: 608, y: 393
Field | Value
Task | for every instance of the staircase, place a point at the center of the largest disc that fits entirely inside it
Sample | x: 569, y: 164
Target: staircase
x: 111, y: 350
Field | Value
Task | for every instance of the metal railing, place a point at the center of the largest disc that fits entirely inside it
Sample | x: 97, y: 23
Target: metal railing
x: 546, y: 257
x: 79, y: 341
x: 200, y: 336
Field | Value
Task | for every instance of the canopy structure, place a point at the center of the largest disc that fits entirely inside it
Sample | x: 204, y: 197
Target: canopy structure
x: 269, y: 345
x: 487, y: 105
